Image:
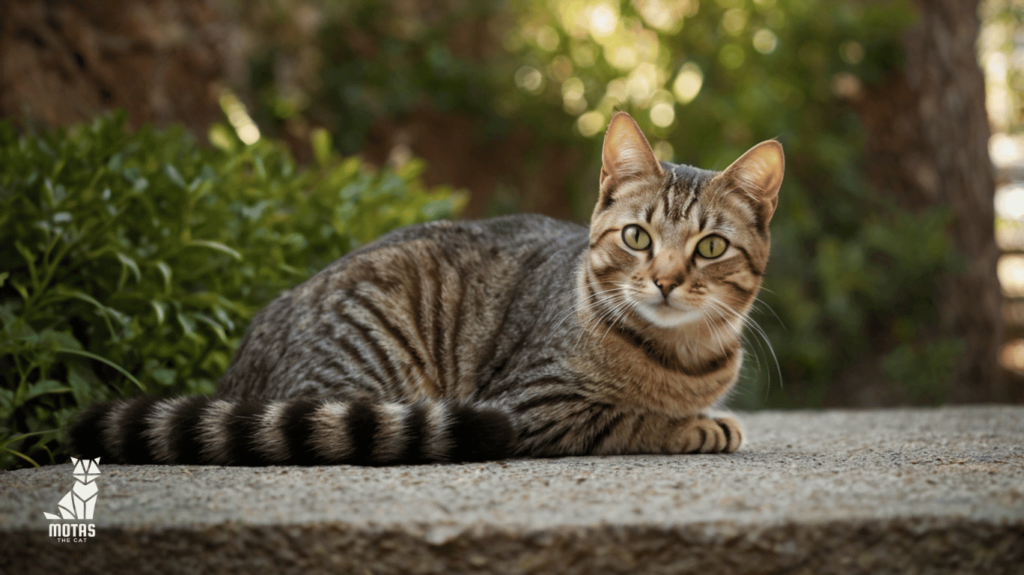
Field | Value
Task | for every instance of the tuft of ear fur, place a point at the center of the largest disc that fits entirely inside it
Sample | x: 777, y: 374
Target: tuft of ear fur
x: 759, y: 173
x: 626, y: 154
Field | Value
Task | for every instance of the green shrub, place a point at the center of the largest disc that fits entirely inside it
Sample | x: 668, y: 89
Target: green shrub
x: 132, y: 262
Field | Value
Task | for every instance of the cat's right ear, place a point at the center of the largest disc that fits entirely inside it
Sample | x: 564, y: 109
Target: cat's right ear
x: 626, y: 155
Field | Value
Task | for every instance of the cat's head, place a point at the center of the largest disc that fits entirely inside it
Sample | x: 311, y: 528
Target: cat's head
x: 672, y: 244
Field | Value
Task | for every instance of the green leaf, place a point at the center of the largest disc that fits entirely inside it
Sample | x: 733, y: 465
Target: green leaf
x: 167, y: 274
x: 3, y: 447
x: 22, y: 291
x: 130, y: 264
x: 59, y: 339
x: 320, y: 139
x: 7, y: 313
x: 222, y: 137
x: 83, y: 382
x: 105, y: 311
x: 188, y: 326
x: 114, y: 163
x: 6, y: 404
x: 175, y: 176
x: 44, y: 387
x: 216, y: 246
x: 261, y: 169
x: 161, y: 311
x: 30, y: 259
x: 164, y: 376
x: 217, y: 328
x: 106, y: 361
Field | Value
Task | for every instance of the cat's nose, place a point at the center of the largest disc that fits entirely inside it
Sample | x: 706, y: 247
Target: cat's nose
x: 665, y: 286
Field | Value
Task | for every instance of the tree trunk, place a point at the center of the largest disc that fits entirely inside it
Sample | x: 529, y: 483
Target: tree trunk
x: 928, y: 142
x: 66, y: 62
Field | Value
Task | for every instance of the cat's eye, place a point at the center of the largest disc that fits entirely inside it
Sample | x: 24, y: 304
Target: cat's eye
x: 712, y: 246
x: 636, y: 237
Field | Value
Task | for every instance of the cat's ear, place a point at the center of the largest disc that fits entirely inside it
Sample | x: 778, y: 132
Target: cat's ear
x: 626, y: 154
x: 759, y: 173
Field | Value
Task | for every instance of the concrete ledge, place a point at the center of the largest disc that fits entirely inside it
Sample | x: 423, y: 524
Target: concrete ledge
x: 889, y: 491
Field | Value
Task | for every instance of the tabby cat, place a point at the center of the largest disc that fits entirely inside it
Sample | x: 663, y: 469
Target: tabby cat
x: 519, y: 336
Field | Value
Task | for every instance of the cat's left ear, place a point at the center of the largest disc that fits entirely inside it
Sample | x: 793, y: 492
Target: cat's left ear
x: 759, y: 173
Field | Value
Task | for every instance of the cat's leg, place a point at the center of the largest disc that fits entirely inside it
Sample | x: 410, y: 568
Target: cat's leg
x: 582, y: 428
x: 649, y: 432
x: 704, y: 433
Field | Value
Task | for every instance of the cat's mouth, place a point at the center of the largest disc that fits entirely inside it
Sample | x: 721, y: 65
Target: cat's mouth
x: 662, y: 313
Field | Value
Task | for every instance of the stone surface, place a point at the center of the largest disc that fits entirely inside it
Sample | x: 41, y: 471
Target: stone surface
x: 887, y: 491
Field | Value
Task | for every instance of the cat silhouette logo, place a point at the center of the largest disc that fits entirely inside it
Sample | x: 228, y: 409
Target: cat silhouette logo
x: 78, y: 504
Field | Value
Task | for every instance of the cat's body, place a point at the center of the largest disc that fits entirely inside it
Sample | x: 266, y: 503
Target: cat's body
x: 516, y: 336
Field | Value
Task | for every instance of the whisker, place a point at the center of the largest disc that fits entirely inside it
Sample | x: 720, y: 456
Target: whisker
x: 745, y: 339
x: 755, y: 330
x: 583, y: 303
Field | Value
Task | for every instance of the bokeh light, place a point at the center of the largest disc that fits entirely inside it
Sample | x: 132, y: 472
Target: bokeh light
x: 529, y: 78
x: 688, y: 83
x: 591, y: 124
x: 664, y: 151
x: 603, y: 20
x: 765, y: 41
x: 1011, y: 274
x: 239, y: 118
x: 663, y: 114
x: 573, y: 96
x: 1005, y: 150
x: 1010, y: 202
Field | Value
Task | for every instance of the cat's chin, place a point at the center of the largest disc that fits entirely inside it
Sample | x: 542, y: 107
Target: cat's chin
x: 663, y: 315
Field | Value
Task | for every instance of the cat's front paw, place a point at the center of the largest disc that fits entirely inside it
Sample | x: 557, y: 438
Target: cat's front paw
x: 708, y: 435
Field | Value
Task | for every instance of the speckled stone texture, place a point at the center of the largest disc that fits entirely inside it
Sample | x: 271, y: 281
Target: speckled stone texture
x: 885, y: 491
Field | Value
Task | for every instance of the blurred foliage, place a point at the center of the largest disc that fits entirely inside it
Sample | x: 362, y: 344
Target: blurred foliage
x: 1001, y: 44
x: 133, y: 261
x: 852, y: 277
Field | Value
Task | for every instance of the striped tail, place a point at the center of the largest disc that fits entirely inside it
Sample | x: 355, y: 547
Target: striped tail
x: 205, y: 430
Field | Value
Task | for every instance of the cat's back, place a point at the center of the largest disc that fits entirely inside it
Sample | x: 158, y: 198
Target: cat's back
x: 512, y: 234
x: 487, y: 252
x: 443, y: 296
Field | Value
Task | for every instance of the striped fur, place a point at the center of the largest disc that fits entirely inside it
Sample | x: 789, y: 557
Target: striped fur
x: 295, y: 432
x: 515, y: 336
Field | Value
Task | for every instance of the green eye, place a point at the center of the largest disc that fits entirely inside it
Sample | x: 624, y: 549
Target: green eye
x: 636, y: 237
x: 712, y: 246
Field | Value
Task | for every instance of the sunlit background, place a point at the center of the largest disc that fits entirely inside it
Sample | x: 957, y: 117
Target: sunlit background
x: 1001, y: 53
